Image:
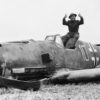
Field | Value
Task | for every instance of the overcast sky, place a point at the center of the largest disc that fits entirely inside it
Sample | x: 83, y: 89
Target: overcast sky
x: 26, y: 19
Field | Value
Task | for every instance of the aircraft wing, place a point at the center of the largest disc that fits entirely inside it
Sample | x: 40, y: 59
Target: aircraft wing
x: 74, y: 76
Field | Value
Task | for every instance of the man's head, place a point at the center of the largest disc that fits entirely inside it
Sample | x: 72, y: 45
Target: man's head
x: 72, y: 16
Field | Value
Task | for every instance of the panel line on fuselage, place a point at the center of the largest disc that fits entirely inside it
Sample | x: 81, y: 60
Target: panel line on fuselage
x: 94, y: 50
x: 84, y: 53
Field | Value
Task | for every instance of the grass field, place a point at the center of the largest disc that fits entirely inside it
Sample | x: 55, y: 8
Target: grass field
x: 89, y: 91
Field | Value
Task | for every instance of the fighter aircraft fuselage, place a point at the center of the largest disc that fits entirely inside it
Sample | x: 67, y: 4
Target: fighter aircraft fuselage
x: 40, y: 59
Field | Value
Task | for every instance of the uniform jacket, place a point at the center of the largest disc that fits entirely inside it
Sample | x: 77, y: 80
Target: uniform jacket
x: 73, y: 25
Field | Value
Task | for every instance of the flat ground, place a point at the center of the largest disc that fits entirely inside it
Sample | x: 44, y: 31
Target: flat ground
x: 88, y: 91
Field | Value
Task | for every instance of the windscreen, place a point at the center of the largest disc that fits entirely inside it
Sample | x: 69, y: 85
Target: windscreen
x: 57, y: 39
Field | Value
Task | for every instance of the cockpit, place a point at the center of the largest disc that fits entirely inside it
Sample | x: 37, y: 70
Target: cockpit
x: 58, y: 40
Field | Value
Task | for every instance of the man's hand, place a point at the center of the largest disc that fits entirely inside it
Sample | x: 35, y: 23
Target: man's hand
x: 65, y: 16
x: 79, y: 15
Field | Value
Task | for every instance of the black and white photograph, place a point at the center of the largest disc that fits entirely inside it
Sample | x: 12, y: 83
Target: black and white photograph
x: 49, y: 50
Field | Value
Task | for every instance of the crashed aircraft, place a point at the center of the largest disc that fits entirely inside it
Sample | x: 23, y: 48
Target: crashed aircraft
x: 29, y: 64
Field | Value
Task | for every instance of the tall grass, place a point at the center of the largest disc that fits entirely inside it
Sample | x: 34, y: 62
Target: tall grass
x: 89, y: 91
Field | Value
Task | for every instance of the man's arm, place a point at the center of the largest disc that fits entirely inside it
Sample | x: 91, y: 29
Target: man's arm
x: 81, y: 19
x: 64, y: 20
